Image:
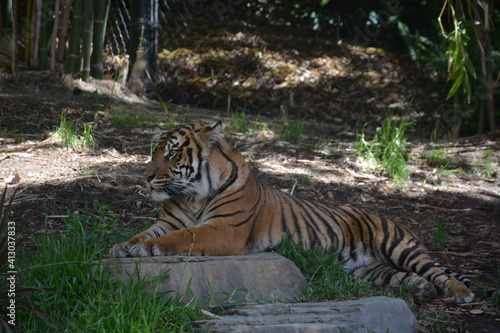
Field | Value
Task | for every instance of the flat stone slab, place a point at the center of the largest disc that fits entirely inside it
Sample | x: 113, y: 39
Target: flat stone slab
x: 211, y: 281
x: 375, y: 314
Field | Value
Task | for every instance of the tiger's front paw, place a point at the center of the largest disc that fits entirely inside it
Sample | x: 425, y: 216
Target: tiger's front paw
x: 121, y: 250
x: 147, y: 249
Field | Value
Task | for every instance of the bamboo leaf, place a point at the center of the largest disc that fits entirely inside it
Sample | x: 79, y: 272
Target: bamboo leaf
x: 456, y: 70
x: 470, y: 67
x: 162, y: 103
x: 455, y: 86
x: 468, y: 89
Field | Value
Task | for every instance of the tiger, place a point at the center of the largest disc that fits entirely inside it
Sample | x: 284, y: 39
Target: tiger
x: 213, y: 205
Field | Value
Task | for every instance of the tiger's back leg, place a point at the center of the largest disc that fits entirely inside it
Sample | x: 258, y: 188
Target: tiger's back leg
x: 381, y: 275
x: 420, y: 263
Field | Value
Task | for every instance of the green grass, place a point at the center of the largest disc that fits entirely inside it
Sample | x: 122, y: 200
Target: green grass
x: 292, y: 132
x: 68, y: 135
x: 239, y: 122
x: 439, y: 236
x: 259, y: 126
x: 318, y: 143
x: 84, y: 300
x: 305, y: 180
x: 435, y: 321
x: 133, y: 118
x: 487, y: 166
x: 326, y: 275
x: 388, y: 149
x: 328, y: 281
x: 439, y: 159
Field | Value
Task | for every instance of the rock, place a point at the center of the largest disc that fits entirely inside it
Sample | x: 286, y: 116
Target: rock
x: 215, y: 281
x: 374, y: 314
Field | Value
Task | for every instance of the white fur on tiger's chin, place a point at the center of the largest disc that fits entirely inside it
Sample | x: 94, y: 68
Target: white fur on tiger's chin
x: 159, y: 196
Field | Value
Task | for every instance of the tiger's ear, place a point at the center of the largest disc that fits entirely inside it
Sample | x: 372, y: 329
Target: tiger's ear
x: 211, y: 134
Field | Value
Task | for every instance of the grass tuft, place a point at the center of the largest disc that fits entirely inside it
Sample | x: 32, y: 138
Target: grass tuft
x: 388, y: 148
x: 133, y: 118
x: 292, y: 130
x: 67, y: 134
x: 239, y: 122
x: 439, y: 236
x: 325, y: 274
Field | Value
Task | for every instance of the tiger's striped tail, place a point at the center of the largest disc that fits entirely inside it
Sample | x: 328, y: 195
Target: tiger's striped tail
x: 456, y: 275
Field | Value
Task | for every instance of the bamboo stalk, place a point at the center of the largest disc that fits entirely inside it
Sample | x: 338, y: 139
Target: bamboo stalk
x: 61, y: 50
x: 106, y: 15
x: 45, y: 34
x: 35, y: 30
x: 98, y: 40
x: 88, y: 29
x: 73, y: 58
x: 54, y: 36
x: 5, y: 15
x: 27, y: 33
x: 14, y: 37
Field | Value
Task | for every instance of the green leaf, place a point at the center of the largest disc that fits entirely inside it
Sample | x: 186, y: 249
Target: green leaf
x: 162, y: 103
x: 470, y: 67
x: 468, y: 89
x: 455, y: 86
x: 456, y: 70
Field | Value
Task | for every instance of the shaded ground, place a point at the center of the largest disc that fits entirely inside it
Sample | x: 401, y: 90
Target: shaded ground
x: 54, y: 179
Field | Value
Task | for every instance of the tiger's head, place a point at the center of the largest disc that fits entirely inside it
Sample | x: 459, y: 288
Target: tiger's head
x: 179, y: 162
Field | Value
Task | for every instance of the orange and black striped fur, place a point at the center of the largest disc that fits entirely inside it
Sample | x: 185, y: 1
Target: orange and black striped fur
x: 213, y: 205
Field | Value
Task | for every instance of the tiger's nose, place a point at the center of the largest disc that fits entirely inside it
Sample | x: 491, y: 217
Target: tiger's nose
x: 149, y: 177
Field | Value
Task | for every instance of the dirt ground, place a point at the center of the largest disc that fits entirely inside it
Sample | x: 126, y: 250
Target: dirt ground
x: 53, y: 179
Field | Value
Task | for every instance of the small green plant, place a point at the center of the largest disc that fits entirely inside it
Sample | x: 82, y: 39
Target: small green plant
x: 438, y: 158
x: 492, y: 289
x: 238, y: 121
x: 163, y: 104
x: 435, y: 321
x: 388, y: 148
x: 67, y: 134
x: 96, y: 100
x: 487, y: 167
x: 305, y: 180
x: 292, y: 131
x: 439, y: 236
x: 88, y: 137
x: 318, y: 143
x: 259, y: 126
